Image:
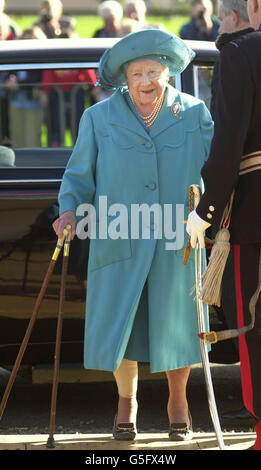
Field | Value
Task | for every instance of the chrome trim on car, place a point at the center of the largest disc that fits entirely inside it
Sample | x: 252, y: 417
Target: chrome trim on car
x: 30, y: 181
x: 49, y: 65
x: 178, y: 82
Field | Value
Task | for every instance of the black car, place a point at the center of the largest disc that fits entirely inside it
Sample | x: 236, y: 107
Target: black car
x: 44, y: 88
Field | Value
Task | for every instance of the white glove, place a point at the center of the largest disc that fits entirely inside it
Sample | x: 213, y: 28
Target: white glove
x: 196, y: 228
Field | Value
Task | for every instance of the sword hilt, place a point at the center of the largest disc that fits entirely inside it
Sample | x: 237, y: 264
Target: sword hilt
x: 194, y: 198
x: 196, y: 191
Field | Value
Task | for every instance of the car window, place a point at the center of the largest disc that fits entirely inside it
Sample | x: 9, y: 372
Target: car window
x: 41, y: 109
x: 202, y: 78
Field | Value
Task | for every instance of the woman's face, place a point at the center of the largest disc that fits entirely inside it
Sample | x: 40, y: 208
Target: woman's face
x: 147, y: 81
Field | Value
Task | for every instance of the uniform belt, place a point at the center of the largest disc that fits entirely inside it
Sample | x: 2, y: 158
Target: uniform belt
x: 250, y: 162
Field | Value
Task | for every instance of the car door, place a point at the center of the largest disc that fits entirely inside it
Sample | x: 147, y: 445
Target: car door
x: 44, y: 89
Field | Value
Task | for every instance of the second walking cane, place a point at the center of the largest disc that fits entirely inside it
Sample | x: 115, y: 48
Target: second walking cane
x: 66, y: 241
x: 50, y: 442
x: 195, y: 193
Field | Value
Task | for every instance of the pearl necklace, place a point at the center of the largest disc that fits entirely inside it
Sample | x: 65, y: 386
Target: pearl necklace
x: 151, y: 118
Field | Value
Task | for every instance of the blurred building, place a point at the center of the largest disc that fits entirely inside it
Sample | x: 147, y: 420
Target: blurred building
x: 85, y: 6
x: 32, y: 6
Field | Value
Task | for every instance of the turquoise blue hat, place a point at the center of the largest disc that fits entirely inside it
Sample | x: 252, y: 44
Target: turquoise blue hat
x: 148, y: 43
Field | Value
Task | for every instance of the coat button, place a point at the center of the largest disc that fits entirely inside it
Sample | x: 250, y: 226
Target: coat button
x: 151, y: 186
x: 209, y: 216
x: 148, y: 145
x: 211, y: 208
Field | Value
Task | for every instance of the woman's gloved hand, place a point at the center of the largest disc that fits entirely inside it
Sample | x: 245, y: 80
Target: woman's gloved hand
x: 67, y: 218
x: 196, y: 228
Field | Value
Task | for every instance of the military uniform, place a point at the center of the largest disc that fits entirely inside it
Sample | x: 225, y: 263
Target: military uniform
x: 232, y: 177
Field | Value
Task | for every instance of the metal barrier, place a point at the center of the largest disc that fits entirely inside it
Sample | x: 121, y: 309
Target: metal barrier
x: 72, y: 103
x: 63, y: 111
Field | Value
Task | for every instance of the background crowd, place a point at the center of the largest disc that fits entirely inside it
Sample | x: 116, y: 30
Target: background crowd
x: 118, y: 18
x: 26, y: 109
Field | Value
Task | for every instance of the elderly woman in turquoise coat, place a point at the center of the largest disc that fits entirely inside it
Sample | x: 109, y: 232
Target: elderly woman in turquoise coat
x: 136, y: 155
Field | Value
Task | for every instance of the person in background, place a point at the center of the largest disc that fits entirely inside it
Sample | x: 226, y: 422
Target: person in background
x: 65, y: 81
x: 127, y: 26
x: 68, y: 27
x: 234, y: 20
x: 136, y: 10
x: 26, y: 112
x: 33, y: 33
x: 203, y: 25
x: 14, y: 31
x: 4, y: 28
x: 4, y: 108
x: 233, y: 16
x: 4, y: 77
x: 52, y: 21
x: 49, y: 18
x: 6, y: 33
x: 111, y: 12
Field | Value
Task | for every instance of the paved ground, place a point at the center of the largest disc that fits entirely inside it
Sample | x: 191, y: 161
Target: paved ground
x: 144, y: 441
x: 85, y: 413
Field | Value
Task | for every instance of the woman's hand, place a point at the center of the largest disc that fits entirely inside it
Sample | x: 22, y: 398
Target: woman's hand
x: 67, y: 218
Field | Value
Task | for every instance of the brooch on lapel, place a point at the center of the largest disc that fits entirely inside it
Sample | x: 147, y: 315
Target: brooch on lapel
x: 175, y: 109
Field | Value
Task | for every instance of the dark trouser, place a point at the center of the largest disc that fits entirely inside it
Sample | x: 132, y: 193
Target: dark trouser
x: 246, y: 259
x: 55, y: 117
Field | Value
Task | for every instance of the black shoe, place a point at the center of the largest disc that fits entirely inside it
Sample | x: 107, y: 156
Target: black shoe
x: 181, y: 431
x: 242, y: 413
x: 124, y: 431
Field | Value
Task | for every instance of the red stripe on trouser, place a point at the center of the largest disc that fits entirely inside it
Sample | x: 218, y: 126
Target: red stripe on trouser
x: 247, y: 388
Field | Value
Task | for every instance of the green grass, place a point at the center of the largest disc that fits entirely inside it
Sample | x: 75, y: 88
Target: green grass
x: 87, y: 25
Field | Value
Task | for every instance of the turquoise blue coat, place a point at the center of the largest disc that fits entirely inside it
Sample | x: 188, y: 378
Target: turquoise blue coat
x: 116, y: 157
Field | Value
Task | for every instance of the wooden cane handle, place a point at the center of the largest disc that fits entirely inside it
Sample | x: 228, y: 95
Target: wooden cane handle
x: 196, y: 193
x: 67, y: 230
x: 66, y: 233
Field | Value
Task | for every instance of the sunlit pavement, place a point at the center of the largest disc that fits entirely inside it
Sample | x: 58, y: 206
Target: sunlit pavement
x: 144, y: 441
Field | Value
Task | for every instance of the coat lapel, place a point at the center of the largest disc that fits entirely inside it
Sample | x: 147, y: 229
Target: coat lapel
x: 171, y: 112
x: 121, y: 115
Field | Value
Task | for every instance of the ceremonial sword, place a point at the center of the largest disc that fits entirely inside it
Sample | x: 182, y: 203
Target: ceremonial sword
x: 201, y: 327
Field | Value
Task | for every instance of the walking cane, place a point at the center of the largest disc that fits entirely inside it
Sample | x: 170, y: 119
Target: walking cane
x: 38, y: 302
x: 50, y: 442
x: 196, y: 192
